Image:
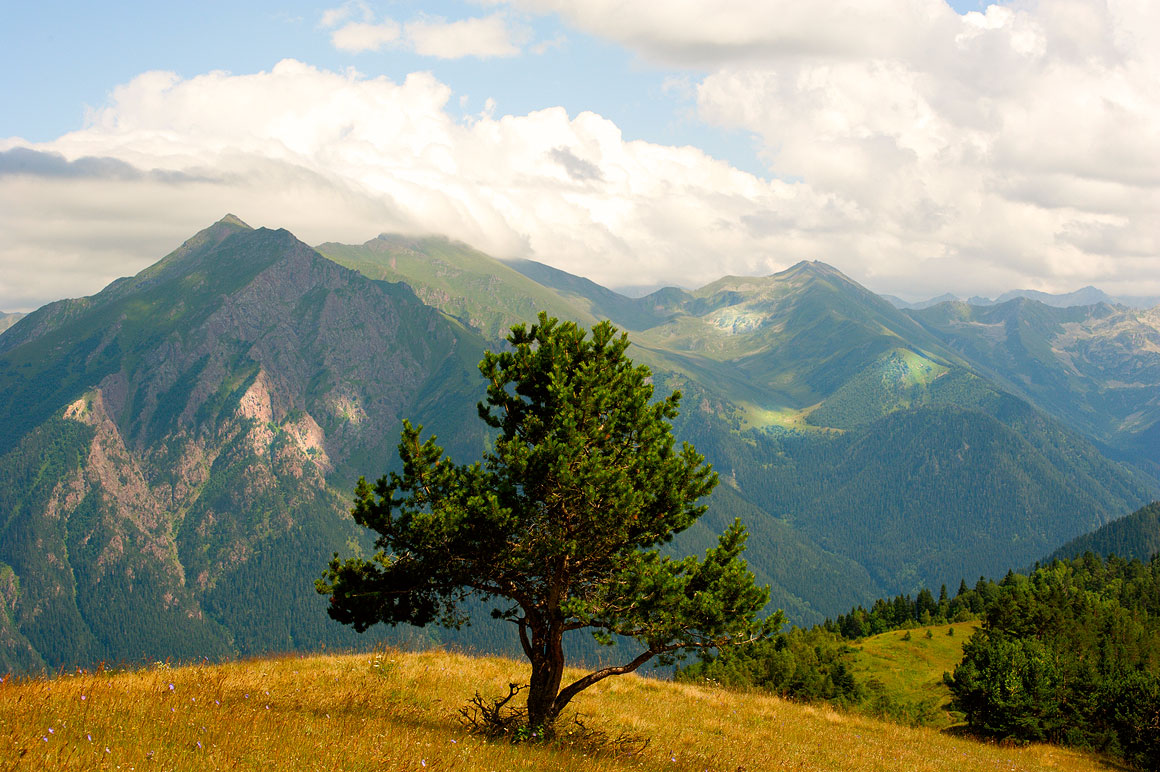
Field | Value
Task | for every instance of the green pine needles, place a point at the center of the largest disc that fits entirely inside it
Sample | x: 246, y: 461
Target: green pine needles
x: 560, y: 524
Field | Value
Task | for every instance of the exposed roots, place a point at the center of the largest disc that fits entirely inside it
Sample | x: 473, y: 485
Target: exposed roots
x: 495, y: 719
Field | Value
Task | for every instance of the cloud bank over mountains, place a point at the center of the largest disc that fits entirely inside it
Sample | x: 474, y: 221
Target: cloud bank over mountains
x: 918, y: 150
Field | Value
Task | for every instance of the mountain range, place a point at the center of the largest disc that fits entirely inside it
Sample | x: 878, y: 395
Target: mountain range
x: 1086, y: 296
x: 177, y: 451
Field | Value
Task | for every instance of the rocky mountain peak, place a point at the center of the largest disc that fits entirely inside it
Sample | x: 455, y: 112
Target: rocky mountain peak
x: 233, y: 219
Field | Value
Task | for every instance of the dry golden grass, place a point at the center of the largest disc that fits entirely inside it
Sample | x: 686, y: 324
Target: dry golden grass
x: 399, y: 711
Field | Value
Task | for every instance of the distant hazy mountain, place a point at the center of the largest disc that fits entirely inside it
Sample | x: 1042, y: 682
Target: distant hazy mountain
x: 177, y: 451
x: 1088, y: 296
x: 1135, y: 536
x: 898, y: 302
x: 1096, y: 367
x: 1139, y: 301
x: 7, y: 320
x: 640, y: 290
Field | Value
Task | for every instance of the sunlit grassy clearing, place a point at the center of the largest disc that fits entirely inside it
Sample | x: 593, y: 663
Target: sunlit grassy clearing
x: 784, y: 417
x: 397, y: 711
x: 912, y: 670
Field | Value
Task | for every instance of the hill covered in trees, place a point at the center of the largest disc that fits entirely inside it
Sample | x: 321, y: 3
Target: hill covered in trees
x: 1134, y: 536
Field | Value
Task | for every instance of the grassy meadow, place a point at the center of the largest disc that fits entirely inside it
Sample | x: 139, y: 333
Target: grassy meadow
x: 909, y: 666
x: 391, y: 710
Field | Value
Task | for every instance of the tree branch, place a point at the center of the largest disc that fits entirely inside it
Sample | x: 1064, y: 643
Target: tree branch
x: 571, y: 690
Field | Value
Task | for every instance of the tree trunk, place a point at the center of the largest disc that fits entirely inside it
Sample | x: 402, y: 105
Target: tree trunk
x: 547, y: 671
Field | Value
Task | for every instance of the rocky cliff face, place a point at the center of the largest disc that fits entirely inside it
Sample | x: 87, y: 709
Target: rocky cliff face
x: 186, y: 442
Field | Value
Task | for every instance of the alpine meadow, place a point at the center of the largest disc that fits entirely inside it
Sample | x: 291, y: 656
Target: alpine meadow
x: 731, y: 386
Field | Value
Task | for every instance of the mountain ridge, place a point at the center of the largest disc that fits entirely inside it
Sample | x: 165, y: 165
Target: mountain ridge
x: 205, y: 410
x: 807, y: 355
x: 179, y: 446
x: 1085, y: 296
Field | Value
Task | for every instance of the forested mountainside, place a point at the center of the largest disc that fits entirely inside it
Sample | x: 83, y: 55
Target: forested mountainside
x: 1096, y: 367
x: 168, y: 445
x: 1136, y: 536
x: 178, y: 451
x: 1068, y: 654
x: 856, y: 427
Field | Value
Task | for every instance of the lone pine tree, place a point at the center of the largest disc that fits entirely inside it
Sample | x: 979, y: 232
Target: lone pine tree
x: 560, y: 525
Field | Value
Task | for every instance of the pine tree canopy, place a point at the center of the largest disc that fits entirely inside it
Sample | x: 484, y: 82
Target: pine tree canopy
x: 560, y: 525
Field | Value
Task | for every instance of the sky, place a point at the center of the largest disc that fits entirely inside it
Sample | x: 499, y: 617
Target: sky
x: 918, y: 146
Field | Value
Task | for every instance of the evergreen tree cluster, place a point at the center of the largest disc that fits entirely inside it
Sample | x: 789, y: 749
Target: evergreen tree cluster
x: 809, y: 665
x: 1070, y: 654
x: 904, y: 611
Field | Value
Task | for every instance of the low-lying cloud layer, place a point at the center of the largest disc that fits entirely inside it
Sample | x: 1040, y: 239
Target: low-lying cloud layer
x: 918, y: 150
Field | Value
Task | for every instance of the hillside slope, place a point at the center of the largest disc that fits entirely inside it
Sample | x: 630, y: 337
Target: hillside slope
x: 398, y: 711
x: 1097, y: 367
x: 907, y: 667
x: 485, y: 293
x: 1135, y: 536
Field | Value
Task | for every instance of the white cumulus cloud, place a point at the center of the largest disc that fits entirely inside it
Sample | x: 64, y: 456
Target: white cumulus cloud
x: 480, y: 37
x: 339, y: 156
x: 916, y: 149
x: 1016, y: 144
x: 332, y: 17
x: 359, y: 36
x: 704, y: 32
